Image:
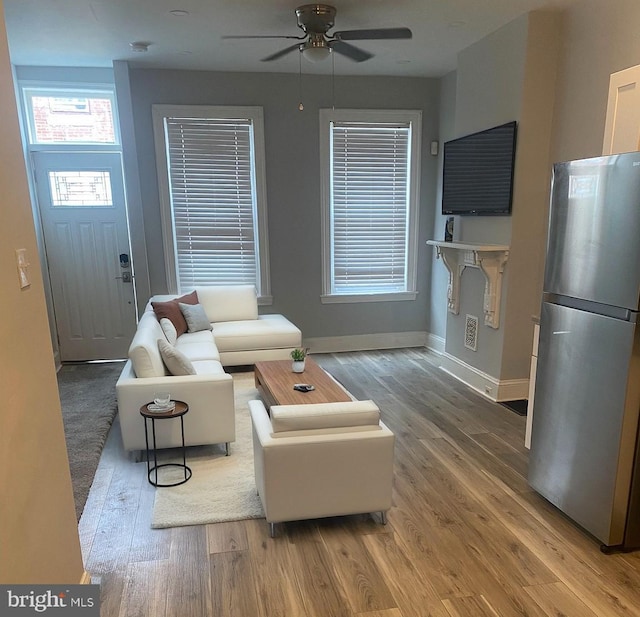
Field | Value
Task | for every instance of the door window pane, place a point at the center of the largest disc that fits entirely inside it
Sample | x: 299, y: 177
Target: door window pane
x: 80, y: 188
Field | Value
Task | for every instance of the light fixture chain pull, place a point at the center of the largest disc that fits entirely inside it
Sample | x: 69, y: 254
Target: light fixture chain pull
x: 333, y: 81
x: 300, y: 105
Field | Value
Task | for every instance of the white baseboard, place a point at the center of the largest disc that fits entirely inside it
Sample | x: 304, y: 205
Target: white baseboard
x: 484, y: 384
x: 365, y: 342
x: 513, y: 389
x: 85, y: 578
x: 435, y: 343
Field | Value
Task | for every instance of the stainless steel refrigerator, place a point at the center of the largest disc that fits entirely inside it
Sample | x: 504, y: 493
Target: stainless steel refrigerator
x: 584, y: 454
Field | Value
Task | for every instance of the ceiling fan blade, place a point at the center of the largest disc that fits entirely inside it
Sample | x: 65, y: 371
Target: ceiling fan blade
x: 355, y: 53
x: 376, y: 33
x: 262, y: 36
x: 282, y: 52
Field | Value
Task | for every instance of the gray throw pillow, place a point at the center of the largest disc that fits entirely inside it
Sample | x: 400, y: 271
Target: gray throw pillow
x: 195, y: 317
x: 175, y: 360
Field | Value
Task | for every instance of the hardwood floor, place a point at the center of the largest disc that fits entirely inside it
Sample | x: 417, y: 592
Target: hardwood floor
x: 466, y: 536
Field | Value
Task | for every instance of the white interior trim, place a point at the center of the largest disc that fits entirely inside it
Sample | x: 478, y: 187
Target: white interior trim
x: 486, y: 385
x: 435, y: 343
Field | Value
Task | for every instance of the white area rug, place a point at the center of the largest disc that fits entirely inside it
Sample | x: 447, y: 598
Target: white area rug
x: 222, y: 488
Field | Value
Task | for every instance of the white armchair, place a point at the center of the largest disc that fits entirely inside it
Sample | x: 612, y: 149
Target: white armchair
x: 319, y: 460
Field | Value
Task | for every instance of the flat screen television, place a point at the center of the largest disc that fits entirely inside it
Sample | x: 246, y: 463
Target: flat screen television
x: 478, y: 172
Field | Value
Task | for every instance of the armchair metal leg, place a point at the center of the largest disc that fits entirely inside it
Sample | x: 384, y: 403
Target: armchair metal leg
x: 383, y: 517
x: 272, y: 530
x: 226, y: 448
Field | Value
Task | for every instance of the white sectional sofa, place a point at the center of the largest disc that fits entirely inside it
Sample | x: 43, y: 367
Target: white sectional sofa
x: 237, y: 336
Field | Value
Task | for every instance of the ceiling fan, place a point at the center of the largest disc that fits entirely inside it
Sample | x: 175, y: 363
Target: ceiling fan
x: 315, y: 20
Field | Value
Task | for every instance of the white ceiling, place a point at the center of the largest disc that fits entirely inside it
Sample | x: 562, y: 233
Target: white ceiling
x: 96, y: 32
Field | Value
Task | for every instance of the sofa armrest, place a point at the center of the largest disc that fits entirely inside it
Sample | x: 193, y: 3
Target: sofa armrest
x: 210, y: 399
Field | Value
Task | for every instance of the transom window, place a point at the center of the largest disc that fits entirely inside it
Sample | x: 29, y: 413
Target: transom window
x: 70, y: 116
x: 211, y: 169
x: 369, y: 166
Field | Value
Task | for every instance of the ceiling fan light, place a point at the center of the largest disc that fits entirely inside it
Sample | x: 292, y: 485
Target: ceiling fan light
x: 316, y: 54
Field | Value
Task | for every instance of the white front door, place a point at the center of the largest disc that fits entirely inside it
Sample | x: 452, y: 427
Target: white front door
x: 82, y: 206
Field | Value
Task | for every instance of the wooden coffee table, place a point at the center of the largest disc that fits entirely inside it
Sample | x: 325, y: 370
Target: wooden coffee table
x: 275, y: 381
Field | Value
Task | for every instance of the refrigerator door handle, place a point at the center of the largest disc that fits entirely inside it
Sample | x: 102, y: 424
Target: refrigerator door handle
x: 616, y: 312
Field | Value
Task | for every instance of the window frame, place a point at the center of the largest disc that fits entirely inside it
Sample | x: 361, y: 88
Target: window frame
x: 414, y: 118
x: 255, y: 114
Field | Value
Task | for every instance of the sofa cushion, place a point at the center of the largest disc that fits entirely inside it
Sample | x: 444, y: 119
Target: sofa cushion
x: 169, y: 330
x: 143, y: 351
x: 204, y: 336
x: 229, y: 302
x: 208, y: 367
x: 175, y: 360
x: 195, y: 317
x: 171, y: 310
x: 265, y: 332
x: 198, y: 351
x: 324, y: 416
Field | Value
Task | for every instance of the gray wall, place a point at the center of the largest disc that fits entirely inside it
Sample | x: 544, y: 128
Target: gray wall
x: 293, y: 187
x: 490, y: 75
x: 508, y: 75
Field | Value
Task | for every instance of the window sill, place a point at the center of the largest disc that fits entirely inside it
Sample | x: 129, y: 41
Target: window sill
x: 376, y: 297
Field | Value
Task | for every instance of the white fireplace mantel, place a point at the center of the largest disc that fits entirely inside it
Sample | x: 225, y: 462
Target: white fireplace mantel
x: 490, y: 258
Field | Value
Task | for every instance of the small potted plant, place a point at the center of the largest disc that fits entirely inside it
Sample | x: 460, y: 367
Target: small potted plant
x: 298, y: 356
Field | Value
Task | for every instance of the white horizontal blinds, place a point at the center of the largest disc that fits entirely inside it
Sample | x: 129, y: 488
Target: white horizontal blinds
x: 369, y: 206
x: 212, y: 187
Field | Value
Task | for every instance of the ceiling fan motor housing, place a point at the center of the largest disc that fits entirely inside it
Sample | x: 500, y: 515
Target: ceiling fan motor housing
x: 316, y: 18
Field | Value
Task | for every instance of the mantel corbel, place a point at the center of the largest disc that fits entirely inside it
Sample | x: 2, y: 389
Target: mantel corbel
x: 489, y: 258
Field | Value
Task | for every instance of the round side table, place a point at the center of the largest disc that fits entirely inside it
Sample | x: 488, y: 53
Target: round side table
x: 179, y: 411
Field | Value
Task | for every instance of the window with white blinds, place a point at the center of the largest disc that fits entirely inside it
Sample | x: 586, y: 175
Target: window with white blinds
x: 214, y: 196
x: 370, y: 203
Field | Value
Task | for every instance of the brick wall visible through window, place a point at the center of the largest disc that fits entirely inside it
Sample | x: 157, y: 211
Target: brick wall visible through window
x: 68, y: 117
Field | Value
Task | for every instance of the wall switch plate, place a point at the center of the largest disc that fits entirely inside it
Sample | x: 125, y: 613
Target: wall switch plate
x: 23, y: 265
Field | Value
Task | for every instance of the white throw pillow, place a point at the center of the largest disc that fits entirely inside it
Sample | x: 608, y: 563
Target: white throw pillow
x: 175, y: 360
x: 169, y: 330
x: 195, y: 317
